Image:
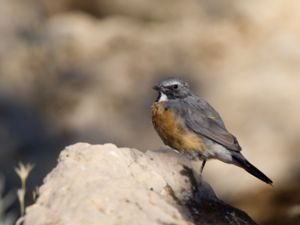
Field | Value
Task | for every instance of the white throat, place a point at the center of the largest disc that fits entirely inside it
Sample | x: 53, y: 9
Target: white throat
x: 162, y: 97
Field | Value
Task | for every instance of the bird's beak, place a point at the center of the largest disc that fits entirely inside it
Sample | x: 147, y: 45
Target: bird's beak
x: 156, y: 88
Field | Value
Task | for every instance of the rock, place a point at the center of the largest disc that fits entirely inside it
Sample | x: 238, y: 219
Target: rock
x: 104, y: 184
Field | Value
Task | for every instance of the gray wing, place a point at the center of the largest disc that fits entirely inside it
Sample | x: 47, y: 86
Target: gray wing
x: 200, y: 117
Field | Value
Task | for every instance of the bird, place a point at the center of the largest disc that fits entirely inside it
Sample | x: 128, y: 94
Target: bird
x: 190, y: 125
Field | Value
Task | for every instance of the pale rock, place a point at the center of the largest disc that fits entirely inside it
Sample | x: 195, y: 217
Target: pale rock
x: 104, y: 184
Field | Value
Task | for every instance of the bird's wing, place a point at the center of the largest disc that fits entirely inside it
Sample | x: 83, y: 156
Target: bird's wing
x: 201, y: 118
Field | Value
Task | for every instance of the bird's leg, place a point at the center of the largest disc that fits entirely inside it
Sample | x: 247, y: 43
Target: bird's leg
x: 202, y: 167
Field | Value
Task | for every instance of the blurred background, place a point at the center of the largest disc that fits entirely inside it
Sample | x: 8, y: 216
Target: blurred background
x: 82, y: 71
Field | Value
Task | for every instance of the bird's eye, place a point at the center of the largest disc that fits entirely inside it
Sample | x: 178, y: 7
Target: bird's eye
x: 175, y: 86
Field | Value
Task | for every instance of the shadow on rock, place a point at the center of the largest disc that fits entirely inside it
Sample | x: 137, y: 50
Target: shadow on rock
x: 206, y: 208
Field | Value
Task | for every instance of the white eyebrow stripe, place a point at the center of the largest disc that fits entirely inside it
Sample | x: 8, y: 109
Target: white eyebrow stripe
x: 172, y: 82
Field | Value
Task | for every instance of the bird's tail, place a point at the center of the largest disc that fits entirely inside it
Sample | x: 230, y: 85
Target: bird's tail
x: 240, y: 160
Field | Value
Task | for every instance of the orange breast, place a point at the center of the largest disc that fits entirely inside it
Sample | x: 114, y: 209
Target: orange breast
x: 172, y: 131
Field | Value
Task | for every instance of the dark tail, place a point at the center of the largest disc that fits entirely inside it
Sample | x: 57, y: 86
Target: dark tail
x: 240, y: 160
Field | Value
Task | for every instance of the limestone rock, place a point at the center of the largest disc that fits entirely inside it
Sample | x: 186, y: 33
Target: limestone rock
x: 104, y: 184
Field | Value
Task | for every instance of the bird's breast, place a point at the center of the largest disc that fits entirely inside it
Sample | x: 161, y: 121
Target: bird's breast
x: 171, y: 129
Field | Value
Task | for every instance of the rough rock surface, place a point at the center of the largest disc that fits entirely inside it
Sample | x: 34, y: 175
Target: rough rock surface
x: 104, y: 184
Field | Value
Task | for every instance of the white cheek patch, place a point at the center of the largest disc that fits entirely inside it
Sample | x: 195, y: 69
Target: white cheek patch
x: 162, y: 97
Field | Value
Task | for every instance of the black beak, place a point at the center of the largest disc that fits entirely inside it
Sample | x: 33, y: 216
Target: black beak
x: 156, y: 88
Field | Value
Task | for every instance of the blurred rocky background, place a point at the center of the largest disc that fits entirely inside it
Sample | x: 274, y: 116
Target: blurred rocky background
x: 74, y: 70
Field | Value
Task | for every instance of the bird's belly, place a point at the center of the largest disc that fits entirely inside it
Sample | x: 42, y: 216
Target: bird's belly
x: 172, y: 130
x: 216, y: 151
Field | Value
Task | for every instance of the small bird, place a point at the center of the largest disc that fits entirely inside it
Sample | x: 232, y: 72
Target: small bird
x: 188, y: 124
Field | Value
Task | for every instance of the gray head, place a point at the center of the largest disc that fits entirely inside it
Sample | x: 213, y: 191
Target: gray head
x: 172, y: 88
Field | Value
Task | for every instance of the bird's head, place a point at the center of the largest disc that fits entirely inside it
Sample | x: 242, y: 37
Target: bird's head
x: 172, y: 88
